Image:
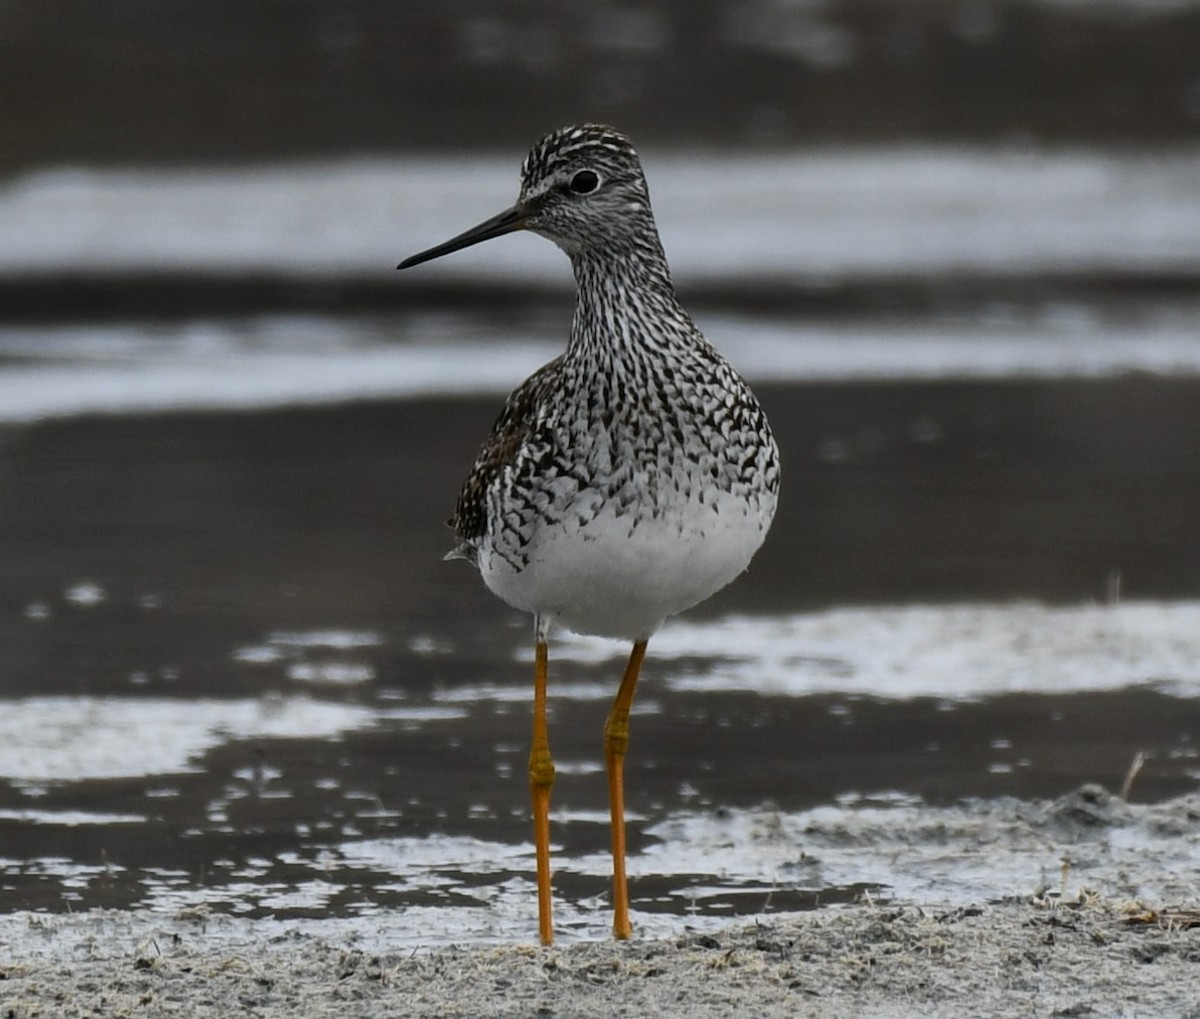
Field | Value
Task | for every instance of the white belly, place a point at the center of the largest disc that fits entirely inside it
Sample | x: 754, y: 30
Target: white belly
x: 617, y: 578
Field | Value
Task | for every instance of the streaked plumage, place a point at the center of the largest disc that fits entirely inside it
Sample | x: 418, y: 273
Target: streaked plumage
x: 635, y: 475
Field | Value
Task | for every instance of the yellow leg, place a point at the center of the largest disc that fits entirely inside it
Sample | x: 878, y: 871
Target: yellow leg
x: 616, y: 742
x: 541, y: 778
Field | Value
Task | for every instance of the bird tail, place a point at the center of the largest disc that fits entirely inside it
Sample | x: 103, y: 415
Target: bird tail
x: 465, y: 551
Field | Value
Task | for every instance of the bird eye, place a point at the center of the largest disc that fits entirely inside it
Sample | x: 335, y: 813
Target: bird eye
x: 585, y: 182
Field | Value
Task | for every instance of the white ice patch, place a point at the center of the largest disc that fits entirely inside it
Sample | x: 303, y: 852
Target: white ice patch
x: 171, y: 373
x: 337, y: 640
x: 938, y: 857
x: 520, y: 694
x: 67, y: 818
x: 295, y: 649
x: 355, y: 362
x: 812, y: 216
x: 63, y: 739
x: 816, y: 212
x: 951, y: 651
x: 443, y: 854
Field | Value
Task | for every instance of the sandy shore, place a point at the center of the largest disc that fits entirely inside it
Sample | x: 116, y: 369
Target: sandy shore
x: 1089, y: 952
x: 1087, y: 957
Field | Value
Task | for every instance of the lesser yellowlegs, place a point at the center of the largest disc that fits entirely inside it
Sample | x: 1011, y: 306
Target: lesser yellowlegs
x: 628, y: 479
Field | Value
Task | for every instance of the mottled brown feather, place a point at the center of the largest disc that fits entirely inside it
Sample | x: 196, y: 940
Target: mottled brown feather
x: 511, y: 430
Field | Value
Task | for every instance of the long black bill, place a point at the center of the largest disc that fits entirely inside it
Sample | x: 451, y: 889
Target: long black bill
x: 508, y: 221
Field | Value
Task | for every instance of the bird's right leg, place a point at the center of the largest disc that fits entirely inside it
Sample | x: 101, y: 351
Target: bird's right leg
x: 541, y: 778
x: 616, y: 742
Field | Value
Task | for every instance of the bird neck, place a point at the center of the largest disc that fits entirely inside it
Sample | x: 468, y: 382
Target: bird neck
x: 625, y: 302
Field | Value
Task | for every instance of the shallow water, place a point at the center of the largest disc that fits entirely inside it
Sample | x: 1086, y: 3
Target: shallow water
x: 238, y: 674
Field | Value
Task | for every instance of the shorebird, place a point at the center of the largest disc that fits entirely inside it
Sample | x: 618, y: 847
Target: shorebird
x: 627, y: 480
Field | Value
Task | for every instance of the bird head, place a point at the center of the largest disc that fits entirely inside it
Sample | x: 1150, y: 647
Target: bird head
x: 581, y: 187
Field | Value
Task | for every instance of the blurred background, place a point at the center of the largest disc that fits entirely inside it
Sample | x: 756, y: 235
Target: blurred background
x: 954, y: 245
x: 214, y: 80
x: 339, y: 91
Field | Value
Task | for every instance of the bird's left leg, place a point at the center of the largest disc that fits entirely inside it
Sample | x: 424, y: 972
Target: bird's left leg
x: 616, y: 742
x: 541, y: 779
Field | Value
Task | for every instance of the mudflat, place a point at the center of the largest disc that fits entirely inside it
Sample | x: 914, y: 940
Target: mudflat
x: 1071, y: 950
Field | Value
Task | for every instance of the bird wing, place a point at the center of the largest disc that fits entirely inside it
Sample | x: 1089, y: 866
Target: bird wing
x: 512, y: 429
